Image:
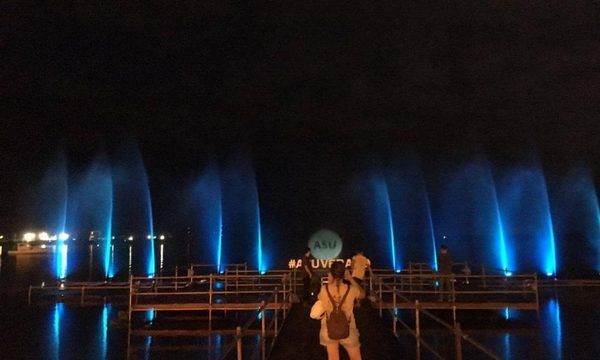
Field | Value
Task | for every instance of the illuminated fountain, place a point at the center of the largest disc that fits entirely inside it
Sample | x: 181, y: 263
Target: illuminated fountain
x: 242, y: 222
x: 91, y: 207
x: 579, y: 220
x: 375, y: 199
x: 525, y: 203
x: 49, y: 206
x: 469, y: 216
x: 412, y: 217
x: 132, y: 212
x: 500, y: 218
x: 207, y: 200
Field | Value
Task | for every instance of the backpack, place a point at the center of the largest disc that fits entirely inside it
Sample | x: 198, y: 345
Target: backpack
x: 338, y: 326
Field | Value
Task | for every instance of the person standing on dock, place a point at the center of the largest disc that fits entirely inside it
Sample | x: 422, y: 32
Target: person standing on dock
x: 359, y: 266
x: 344, y: 290
x: 307, y: 279
x: 444, y: 262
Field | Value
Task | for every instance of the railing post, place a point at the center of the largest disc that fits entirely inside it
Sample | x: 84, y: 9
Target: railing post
x: 395, y: 311
x: 454, y: 313
x: 380, y: 299
x: 82, y: 295
x: 537, y: 298
x: 458, y: 340
x: 453, y: 287
x: 276, y: 309
x: 130, y: 296
x: 129, y: 317
x: 237, y: 278
x: 238, y: 335
x: 210, y: 300
x: 417, y: 320
x: 293, y: 283
x: 29, y: 296
x: 483, y: 273
x: 176, y: 275
x: 263, y: 323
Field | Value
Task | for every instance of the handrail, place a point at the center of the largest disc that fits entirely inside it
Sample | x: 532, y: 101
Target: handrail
x: 458, y: 333
x: 275, y: 288
x: 240, y: 330
x: 79, y: 287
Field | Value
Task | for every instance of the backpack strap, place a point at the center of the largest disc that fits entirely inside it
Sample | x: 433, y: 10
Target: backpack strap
x: 331, y: 297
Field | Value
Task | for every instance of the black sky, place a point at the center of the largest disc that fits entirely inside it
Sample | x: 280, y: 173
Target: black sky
x: 296, y: 83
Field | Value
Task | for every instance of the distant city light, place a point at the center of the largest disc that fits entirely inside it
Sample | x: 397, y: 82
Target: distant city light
x: 130, y: 238
x: 29, y: 236
x: 162, y: 237
x: 1, y: 237
x: 63, y: 236
x: 44, y: 236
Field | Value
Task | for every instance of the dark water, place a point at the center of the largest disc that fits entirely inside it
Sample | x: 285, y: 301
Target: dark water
x: 567, y: 328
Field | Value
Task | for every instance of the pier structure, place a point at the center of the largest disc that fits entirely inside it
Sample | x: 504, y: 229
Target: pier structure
x: 480, y: 291
x: 236, y: 305
x: 246, y: 309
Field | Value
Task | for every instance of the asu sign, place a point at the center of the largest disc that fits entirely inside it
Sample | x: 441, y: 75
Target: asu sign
x: 325, y: 244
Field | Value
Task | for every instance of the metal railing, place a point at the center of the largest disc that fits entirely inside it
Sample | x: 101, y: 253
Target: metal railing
x: 79, y: 289
x: 455, y: 329
x: 261, y: 348
x: 270, y: 293
x: 468, y: 291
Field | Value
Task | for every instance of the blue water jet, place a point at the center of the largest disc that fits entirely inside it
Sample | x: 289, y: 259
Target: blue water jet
x: 242, y: 220
x: 469, y: 218
x: 259, y: 245
x: 431, y: 232
x: 108, y: 250
x: 262, y: 266
x: 383, y: 198
x: 151, y: 268
x: 133, y: 212
x: 502, y: 248
x: 51, y: 207
x: 550, y: 265
x: 91, y: 208
x: 580, y: 220
x: 526, y: 207
x: 209, y: 199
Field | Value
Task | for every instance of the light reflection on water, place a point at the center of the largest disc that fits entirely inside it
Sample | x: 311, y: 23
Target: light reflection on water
x: 552, y: 327
x: 104, y: 330
x: 56, y: 322
x: 566, y: 327
x: 507, y: 346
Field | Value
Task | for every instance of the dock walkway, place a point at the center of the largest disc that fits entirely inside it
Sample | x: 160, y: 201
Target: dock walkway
x: 299, y: 338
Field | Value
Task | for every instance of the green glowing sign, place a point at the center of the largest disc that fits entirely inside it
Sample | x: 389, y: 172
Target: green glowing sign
x: 325, y: 244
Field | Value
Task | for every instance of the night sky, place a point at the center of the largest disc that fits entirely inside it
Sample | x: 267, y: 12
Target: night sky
x: 308, y: 90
